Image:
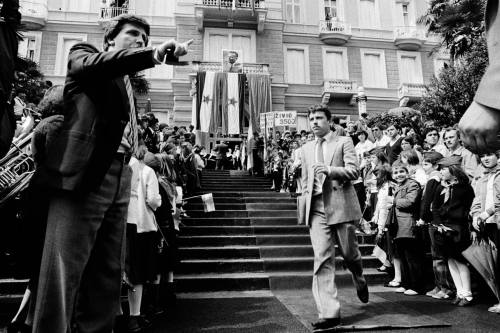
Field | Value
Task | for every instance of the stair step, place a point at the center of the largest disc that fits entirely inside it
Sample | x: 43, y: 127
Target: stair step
x: 218, y: 206
x: 243, y: 213
x: 255, y: 252
x: 238, y: 221
x: 219, y: 252
x: 222, y: 282
x: 303, y: 279
x: 250, y: 194
x: 265, y: 281
x: 275, y: 251
x: 280, y: 264
x: 289, y: 239
x: 243, y: 230
x: 216, y: 240
x: 272, y: 206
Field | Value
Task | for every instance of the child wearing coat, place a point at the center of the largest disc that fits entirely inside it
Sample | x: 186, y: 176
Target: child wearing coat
x: 405, y: 206
x: 451, y: 213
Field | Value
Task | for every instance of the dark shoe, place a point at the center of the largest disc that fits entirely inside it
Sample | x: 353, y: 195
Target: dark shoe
x: 465, y: 302
x: 325, y: 324
x: 363, y: 293
x: 121, y: 323
x: 456, y: 300
x: 137, y: 324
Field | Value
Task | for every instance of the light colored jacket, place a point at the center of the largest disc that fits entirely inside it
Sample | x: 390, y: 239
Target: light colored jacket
x: 480, y: 189
x: 339, y: 196
x: 144, y: 197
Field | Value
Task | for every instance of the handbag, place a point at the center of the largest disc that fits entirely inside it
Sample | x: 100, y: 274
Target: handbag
x: 392, y: 222
x: 301, y: 209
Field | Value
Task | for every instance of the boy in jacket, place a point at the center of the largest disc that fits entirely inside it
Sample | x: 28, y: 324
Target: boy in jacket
x: 406, y: 204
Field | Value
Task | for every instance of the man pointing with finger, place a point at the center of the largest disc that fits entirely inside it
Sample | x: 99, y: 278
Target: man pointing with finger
x: 332, y: 210
x: 87, y: 168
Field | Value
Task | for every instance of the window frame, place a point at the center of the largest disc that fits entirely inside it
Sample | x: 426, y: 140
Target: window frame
x: 345, y: 61
x: 301, y: 9
x: 418, y: 62
x: 59, y: 51
x: 307, y: 68
x: 229, y: 32
x: 376, y: 4
x: 37, y: 35
x: 381, y: 54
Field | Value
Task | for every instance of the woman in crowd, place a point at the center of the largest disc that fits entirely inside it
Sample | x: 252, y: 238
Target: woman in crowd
x: 385, y: 187
x: 142, y: 242
x: 377, y: 158
x: 451, y: 209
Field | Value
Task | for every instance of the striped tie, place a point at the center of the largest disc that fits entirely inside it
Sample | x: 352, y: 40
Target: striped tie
x: 132, y: 136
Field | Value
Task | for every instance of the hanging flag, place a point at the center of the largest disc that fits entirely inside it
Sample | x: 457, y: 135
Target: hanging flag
x: 200, y: 85
x: 234, y: 5
x: 208, y: 202
x: 233, y: 103
x: 207, y: 102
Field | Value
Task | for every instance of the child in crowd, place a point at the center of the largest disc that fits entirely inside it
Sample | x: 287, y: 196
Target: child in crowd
x: 450, y: 211
x: 377, y: 158
x: 406, y: 204
x: 442, y: 280
x: 486, y: 205
x: 384, y: 186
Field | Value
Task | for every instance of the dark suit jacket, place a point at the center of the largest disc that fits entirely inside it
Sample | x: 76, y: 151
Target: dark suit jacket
x: 487, y: 93
x: 97, y: 111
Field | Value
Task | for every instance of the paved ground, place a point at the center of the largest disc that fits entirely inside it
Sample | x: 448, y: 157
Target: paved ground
x: 292, y: 311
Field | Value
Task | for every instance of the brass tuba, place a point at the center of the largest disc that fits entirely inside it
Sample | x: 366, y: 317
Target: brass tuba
x: 16, y: 167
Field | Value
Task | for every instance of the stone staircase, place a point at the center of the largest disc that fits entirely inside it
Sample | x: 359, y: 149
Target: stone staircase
x: 252, y: 240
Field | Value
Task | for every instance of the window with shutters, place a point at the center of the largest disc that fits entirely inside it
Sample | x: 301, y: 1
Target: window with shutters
x: 369, y: 15
x: 65, y: 42
x: 297, y: 64
x: 335, y: 63
x: 293, y: 11
x: 410, y: 67
x: 373, y: 68
x: 216, y: 40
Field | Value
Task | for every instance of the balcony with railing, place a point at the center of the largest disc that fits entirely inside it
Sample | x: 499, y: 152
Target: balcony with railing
x: 106, y: 13
x: 34, y: 13
x: 339, y: 88
x: 411, y: 93
x: 233, y: 12
x: 212, y: 66
x: 409, y: 38
x: 334, y: 32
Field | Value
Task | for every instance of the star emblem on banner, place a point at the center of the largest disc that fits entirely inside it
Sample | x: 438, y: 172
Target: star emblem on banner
x: 206, y: 99
x: 232, y: 101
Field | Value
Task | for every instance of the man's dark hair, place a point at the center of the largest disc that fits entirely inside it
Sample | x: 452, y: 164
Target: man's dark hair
x: 430, y: 129
x: 380, y: 126
x: 410, y: 140
x: 364, y: 115
x: 432, y: 157
x: 336, y: 120
x: 411, y: 156
x: 116, y: 24
x: 320, y: 108
x: 396, y: 126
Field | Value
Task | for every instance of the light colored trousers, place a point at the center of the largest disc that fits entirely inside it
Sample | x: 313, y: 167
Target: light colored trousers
x: 323, y: 239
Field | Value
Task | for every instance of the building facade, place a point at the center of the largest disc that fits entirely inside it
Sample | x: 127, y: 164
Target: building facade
x: 315, y: 50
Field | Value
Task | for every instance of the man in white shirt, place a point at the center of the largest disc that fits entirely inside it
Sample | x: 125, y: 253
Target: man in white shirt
x: 381, y: 140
